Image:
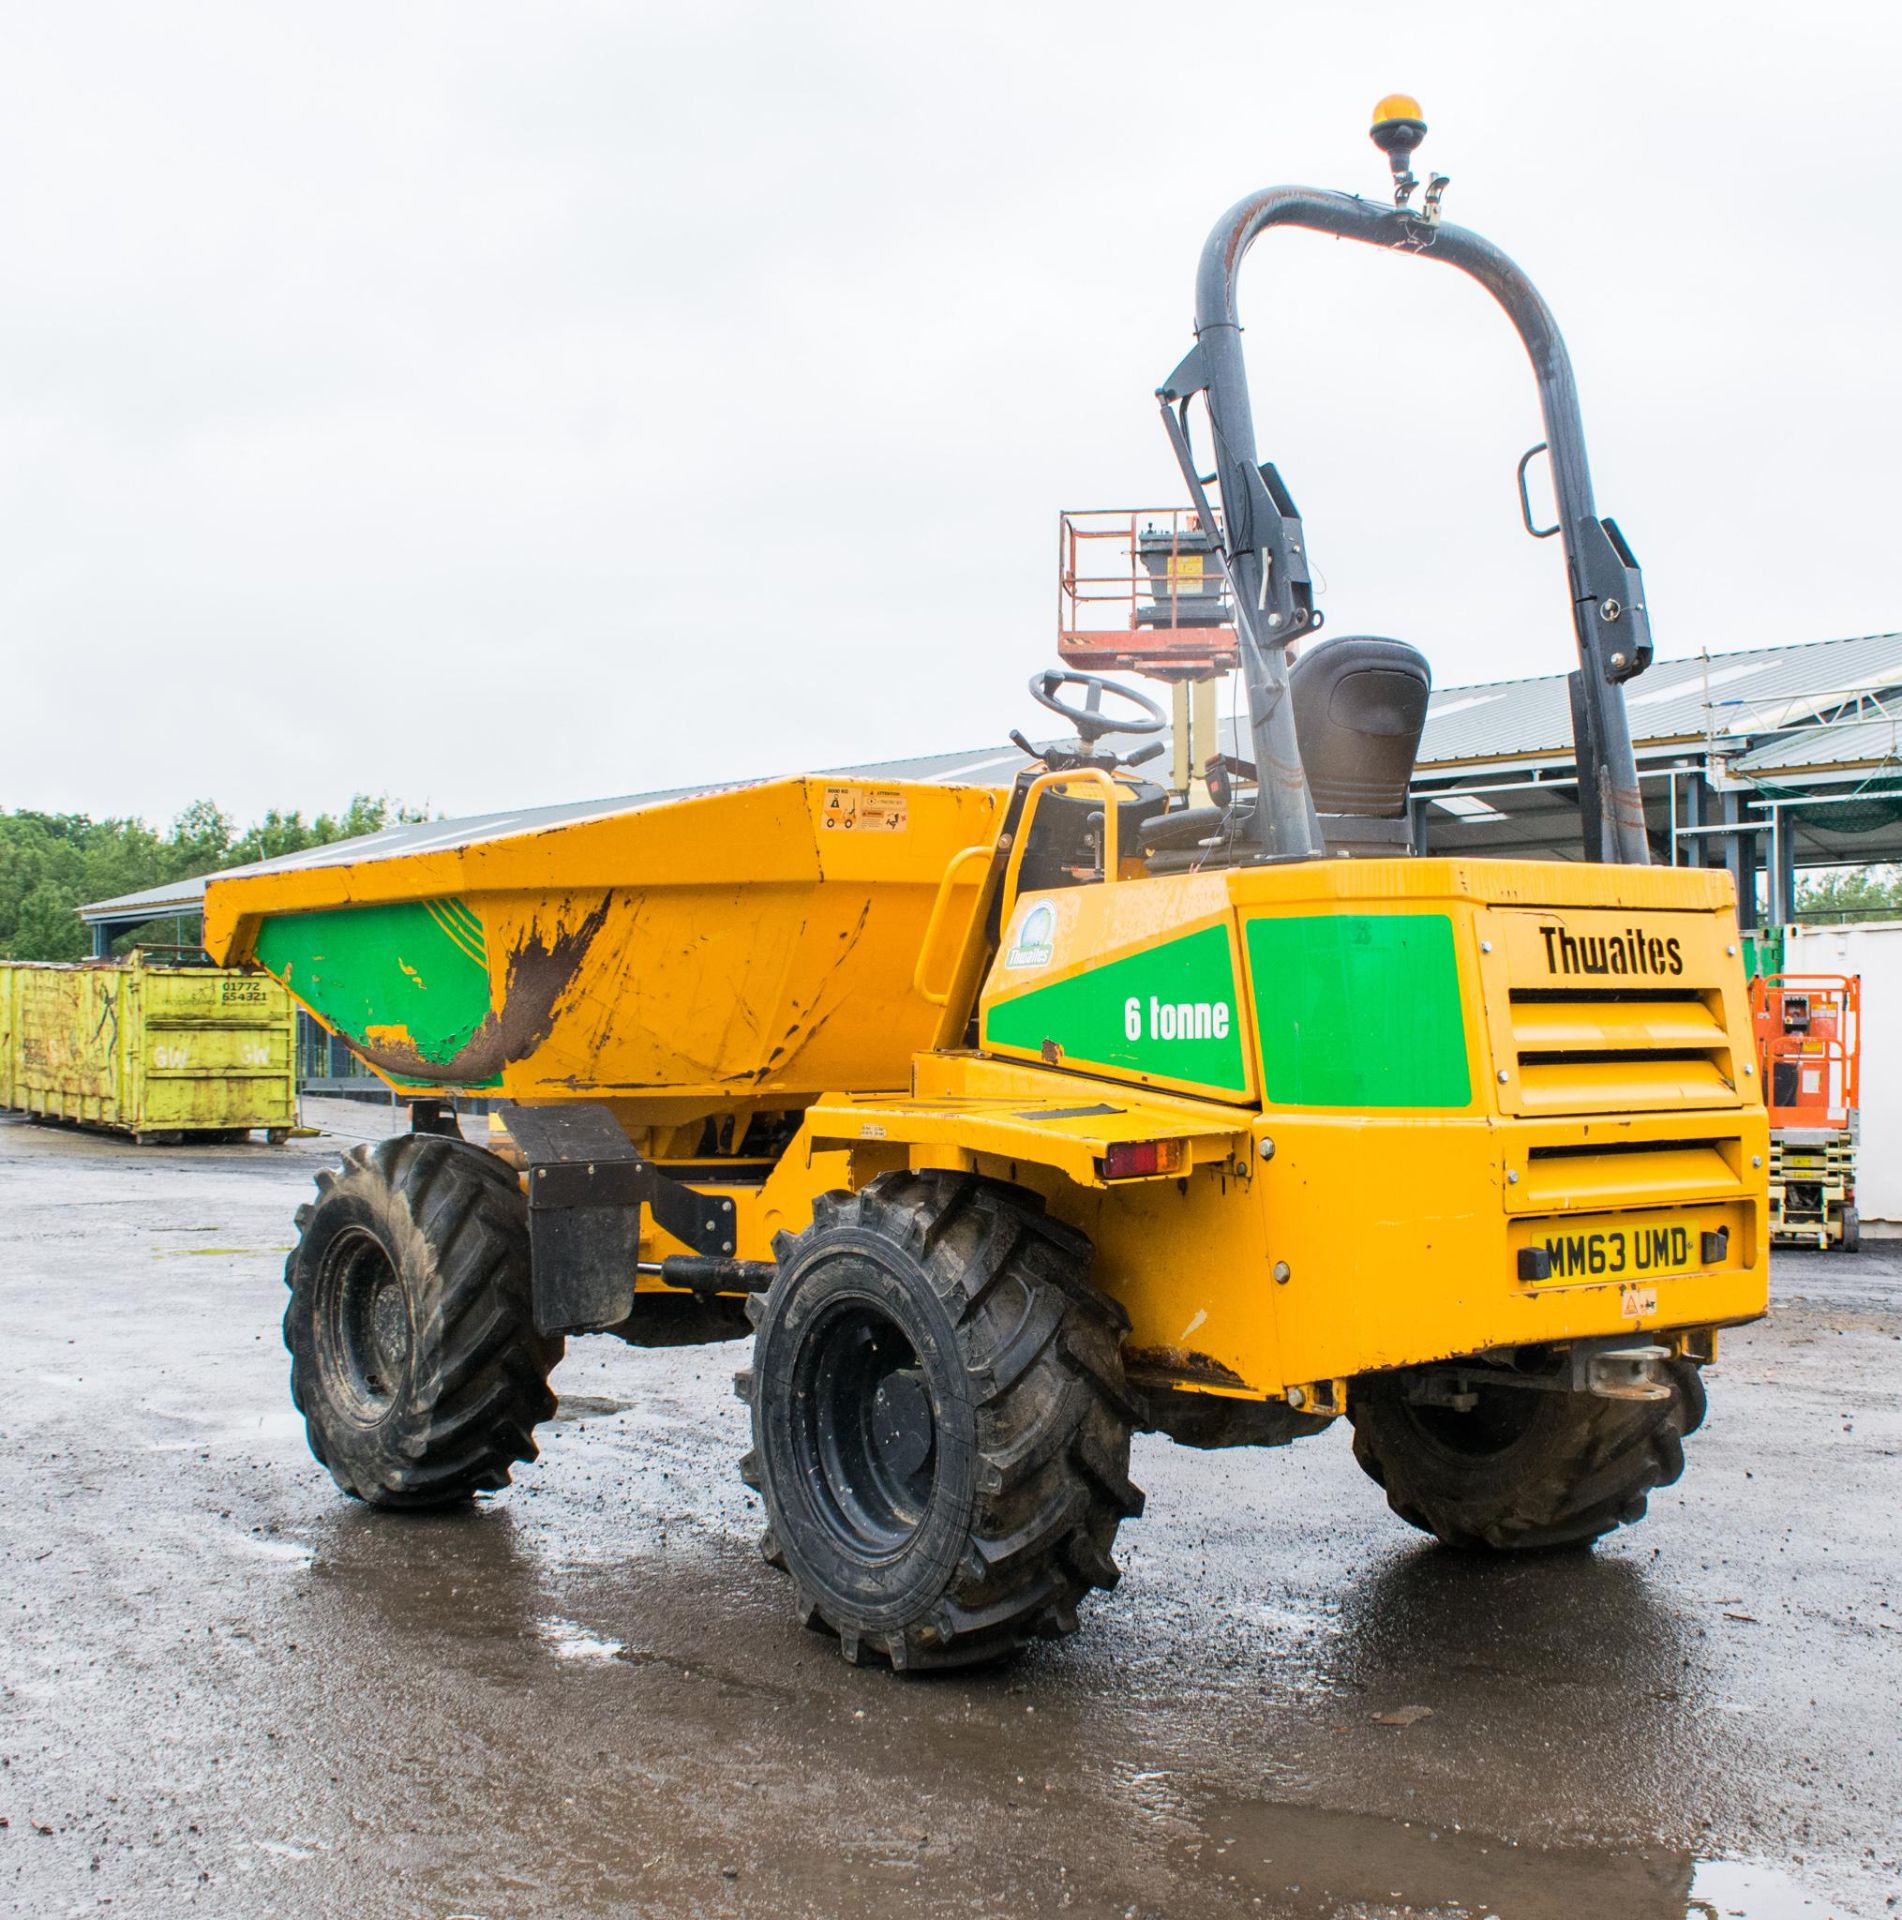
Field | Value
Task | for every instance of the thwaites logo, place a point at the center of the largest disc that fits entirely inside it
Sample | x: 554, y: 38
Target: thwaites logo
x: 1036, y: 938
x: 1631, y: 953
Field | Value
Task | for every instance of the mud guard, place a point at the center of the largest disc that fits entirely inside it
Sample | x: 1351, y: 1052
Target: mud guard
x: 587, y: 1185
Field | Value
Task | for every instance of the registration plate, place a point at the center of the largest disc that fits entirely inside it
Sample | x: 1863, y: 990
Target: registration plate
x: 1631, y: 1249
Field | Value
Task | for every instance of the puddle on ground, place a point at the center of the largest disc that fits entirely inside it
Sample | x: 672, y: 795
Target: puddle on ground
x: 1320, y: 1864
x: 190, y: 1427
x: 212, y: 1253
x: 290, y: 1553
x: 569, y: 1640
x: 584, y: 1406
x: 1750, y: 1890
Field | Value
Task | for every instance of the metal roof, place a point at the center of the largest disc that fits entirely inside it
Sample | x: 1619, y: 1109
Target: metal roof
x: 1848, y: 747
x: 406, y: 836
x: 994, y: 767
x: 1728, y: 696
x: 151, y: 903
x: 1815, y: 711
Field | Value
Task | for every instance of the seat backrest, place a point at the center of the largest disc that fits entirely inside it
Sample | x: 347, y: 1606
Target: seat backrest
x: 1360, y: 706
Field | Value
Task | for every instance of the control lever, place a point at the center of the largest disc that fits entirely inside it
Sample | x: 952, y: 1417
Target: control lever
x: 1059, y: 759
x: 1056, y: 758
x: 1221, y: 773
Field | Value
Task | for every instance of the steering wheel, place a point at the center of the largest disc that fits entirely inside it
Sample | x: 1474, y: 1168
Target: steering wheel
x: 1090, y: 721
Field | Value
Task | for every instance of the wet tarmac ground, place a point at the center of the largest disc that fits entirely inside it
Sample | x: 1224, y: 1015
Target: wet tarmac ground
x: 225, y: 1689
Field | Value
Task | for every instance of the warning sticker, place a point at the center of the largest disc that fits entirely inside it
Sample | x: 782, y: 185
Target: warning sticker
x: 863, y: 810
x: 1638, y: 1303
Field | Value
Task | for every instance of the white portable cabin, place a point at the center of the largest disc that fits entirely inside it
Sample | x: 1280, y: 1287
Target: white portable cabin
x: 1873, y: 949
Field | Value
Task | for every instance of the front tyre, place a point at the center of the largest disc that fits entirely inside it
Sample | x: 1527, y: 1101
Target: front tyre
x: 414, y: 1356
x: 1522, y: 1468
x: 940, y: 1425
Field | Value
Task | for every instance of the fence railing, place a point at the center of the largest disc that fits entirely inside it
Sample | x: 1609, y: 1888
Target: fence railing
x: 325, y: 1064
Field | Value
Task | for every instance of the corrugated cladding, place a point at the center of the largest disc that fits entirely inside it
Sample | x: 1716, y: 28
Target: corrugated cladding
x: 1751, y: 691
x: 1743, y: 694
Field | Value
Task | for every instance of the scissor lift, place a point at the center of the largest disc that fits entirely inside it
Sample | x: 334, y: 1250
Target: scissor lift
x: 1141, y: 590
x: 1809, y: 1046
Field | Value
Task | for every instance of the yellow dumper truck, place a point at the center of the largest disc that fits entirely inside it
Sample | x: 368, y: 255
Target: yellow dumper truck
x: 1014, y: 1122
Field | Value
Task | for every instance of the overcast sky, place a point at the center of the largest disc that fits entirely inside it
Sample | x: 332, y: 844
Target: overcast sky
x: 487, y: 404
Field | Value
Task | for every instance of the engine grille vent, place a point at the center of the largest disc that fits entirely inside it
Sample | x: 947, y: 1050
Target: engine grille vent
x: 1620, y: 1049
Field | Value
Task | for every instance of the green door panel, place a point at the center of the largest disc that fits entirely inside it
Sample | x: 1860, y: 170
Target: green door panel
x: 1169, y: 1011
x: 1359, y: 1010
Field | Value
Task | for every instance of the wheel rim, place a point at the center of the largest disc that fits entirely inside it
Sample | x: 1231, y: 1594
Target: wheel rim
x: 367, y: 1324
x: 865, y: 1433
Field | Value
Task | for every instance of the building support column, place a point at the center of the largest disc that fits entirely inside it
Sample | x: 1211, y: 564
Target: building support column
x: 1782, y: 867
x: 1740, y: 856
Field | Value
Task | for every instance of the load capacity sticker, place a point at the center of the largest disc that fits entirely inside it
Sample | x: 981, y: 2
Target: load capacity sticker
x: 863, y: 810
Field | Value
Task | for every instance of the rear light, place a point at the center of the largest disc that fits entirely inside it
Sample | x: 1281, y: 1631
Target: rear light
x: 1132, y: 1159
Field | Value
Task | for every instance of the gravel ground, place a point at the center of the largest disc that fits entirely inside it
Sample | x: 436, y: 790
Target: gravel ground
x: 224, y: 1689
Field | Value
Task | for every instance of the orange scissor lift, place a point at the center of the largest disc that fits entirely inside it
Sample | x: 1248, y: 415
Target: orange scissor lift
x: 1141, y: 590
x: 1809, y: 1048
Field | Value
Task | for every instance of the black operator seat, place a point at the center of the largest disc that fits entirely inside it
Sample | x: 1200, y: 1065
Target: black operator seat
x: 1360, y: 707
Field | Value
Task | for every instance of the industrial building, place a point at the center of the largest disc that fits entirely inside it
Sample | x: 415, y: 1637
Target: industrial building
x: 1767, y: 761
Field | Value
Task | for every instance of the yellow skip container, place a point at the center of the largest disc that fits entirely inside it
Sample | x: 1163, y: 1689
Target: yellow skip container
x: 148, y: 1047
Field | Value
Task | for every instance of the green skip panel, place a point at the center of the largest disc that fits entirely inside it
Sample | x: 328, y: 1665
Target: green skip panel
x: 1359, y: 1010
x: 417, y: 967
x: 1169, y: 1011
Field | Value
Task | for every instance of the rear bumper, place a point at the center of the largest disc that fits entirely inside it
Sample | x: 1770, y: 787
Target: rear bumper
x: 1403, y: 1243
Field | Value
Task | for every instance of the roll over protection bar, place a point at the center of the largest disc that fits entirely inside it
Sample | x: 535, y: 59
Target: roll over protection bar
x: 1264, y: 550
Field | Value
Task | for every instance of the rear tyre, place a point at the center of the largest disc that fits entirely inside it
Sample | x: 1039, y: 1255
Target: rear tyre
x: 1852, y: 1229
x: 1523, y: 1469
x: 414, y: 1356
x: 940, y: 1424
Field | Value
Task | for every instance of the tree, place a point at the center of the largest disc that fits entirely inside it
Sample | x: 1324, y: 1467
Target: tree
x: 1850, y: 893
x: 53, y: 863
x: 201, y: 838
x: 280, y: 833
x: 47, y: 928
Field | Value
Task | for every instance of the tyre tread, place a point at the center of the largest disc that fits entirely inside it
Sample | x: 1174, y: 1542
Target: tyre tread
x: 1042, y: 1351
x: 479, y: 1379
x: 1604, y: 1462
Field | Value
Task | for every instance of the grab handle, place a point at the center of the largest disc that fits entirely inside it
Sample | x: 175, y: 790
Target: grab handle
x: 1044, y: 782
x: 927, y: 948
x: 1525, y: 499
